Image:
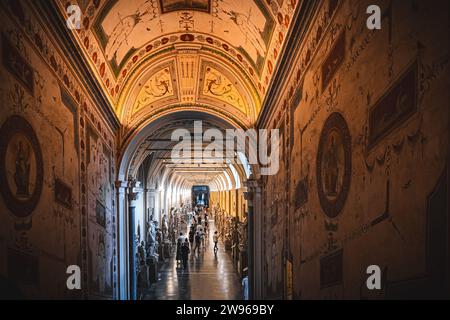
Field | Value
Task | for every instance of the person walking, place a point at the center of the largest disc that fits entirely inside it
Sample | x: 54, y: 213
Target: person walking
x: 206, y: 226
x: 185, y: 253
x: 245, y: 284
x: 202, y: 239
x: 178, y: 256
x: 216, y: 240
x: 197, y: 243
x: 191, y: 235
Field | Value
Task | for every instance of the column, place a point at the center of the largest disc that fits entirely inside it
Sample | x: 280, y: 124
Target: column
x: 144, y: 214
x: 258, y: 241
x: 121, y: 241
x: 253, y: 197
x: 132, y: 198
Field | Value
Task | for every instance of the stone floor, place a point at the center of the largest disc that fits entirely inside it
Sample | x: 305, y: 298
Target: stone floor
x: 208, y: 277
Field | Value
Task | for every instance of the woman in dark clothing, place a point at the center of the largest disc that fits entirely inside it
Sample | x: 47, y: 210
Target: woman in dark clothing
x: 191, y: 236
x: 185, y: 253
x: 179, y: 244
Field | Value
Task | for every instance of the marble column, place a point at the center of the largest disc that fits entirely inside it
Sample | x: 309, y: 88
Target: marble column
x: 122, y: 236
x: 132, y: 198
x: 253, y: 197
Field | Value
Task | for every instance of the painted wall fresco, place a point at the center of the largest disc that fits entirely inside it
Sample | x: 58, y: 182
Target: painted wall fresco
x: 100, y: 226
x: 21, y: 164
x: 44, y: 116
x: 334, y: 165
x: 389, y: 87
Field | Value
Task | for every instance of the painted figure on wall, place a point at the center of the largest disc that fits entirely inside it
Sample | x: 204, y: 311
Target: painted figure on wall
x: 128, y: 20
x: 21, y: 166
x: 334, y: 163
x: 332, y: 166
x: 22, y: 174
x: 249, y: 30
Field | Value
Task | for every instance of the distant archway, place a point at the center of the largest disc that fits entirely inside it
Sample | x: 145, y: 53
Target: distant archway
x: 150, y: 183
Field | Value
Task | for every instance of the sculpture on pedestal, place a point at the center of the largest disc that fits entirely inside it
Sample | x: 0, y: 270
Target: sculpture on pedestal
x: 164, y: 228
x: 152, y: 243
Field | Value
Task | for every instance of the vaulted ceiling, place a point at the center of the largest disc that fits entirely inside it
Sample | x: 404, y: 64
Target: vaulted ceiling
x: 154, y: 57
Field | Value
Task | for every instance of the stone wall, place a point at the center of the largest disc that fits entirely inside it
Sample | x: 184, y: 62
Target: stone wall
x: 364, y: 123
x: 56, y: 203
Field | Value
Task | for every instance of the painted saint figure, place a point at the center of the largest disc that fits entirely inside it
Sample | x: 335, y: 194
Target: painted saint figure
x: 332, y: 168
x: 22, y: 174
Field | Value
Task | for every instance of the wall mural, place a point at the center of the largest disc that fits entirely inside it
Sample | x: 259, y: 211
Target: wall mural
x: 395, y: 107
x: 17, y: 65
x: 21, y: 166
x: 100, y: 215
x: 333, y: 60
x: 246, y: 25
x: 334, y: 165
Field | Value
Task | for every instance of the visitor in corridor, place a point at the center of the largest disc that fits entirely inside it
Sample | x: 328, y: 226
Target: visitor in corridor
x: 178, y: 256
x: 191, y: 235
x: 185, y: 253
x: 198, y: 242
x: 202, y: 239
x: 216, y: 239
x: 245, y: 284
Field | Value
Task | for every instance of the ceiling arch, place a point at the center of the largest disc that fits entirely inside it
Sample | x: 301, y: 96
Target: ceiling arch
x: 234, y: 46
x: 188, y: 78
x: 152, y: 148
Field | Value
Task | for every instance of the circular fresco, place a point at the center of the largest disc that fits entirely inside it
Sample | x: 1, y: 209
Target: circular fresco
x: 334, y: 165
x: 21, y: 166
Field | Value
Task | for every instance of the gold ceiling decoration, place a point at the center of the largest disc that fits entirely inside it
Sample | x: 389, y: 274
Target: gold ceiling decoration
x: 158, y: 87
x: 121, y: 39
x: 217, y: 86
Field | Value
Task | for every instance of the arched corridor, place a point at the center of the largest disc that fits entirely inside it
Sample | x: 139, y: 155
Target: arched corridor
x: 311, y: 135
x: 209, y: 276
x: 156, y: 200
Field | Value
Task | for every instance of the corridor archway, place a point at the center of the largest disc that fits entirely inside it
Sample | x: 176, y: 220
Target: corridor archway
x: 154, y: 189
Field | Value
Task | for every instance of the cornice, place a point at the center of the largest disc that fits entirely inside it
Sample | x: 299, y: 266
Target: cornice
x: 68, y: 44
x: 303, y: 18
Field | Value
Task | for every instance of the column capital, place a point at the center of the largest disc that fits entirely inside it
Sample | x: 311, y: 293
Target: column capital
x: 133, y: 190
x: 121, y: 184
x: 133, y: 196
x: 253, y: 185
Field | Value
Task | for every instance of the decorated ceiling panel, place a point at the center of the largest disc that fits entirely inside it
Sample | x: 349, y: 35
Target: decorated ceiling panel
x: 217, y: 86
x: 120, y: 36
x: 159, y: 88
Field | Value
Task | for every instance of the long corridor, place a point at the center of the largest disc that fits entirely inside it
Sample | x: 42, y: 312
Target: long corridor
x: 209, y: 276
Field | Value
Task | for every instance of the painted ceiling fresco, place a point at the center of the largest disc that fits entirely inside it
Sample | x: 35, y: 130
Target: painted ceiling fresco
x: 246, y: 25
x: 124, y: 38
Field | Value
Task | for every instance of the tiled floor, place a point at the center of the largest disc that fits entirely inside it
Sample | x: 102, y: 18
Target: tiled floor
x: 208, y: 277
